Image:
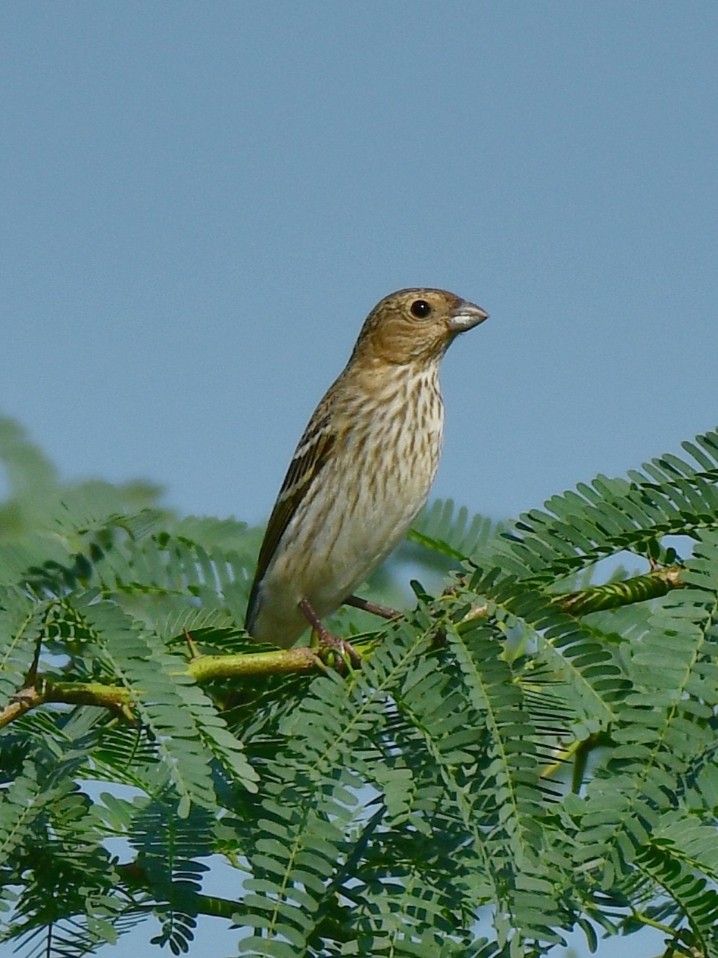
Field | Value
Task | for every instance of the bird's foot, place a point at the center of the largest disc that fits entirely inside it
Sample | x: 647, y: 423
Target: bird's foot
x: 337, y: 652
x: 381, y: 610
x: 331, y: 649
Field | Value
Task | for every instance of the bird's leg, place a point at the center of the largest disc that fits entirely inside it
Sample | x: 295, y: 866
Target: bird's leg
x: 381, y: 610
x: 326, y: 639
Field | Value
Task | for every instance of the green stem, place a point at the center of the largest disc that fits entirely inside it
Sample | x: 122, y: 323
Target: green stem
x: 205, y: 668
x: 88, y: 693
x: 652, y: 923
x: 612, y: 595
x: 137, y: 878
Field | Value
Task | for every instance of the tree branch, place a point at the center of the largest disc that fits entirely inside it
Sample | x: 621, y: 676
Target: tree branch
x: 26, y: 699
x: 203, y: 668
x: 207, y: 668
x: 136, y: 877
x: 612, y: 595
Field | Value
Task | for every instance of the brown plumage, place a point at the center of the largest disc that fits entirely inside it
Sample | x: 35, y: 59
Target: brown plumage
x: 363, y: 467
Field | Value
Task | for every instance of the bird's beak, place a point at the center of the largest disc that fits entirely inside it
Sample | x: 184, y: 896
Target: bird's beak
x: 466, y: 316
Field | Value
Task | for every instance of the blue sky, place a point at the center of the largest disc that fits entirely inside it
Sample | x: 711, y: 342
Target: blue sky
x: 200, y: 202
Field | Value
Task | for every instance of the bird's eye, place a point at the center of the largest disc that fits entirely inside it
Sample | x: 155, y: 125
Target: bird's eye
x: 420, y: 308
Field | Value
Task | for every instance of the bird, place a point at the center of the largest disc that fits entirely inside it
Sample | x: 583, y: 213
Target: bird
x: 361, y: 471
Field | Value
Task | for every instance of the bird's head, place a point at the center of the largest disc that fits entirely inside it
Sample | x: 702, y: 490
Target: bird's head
x: 415, y: 325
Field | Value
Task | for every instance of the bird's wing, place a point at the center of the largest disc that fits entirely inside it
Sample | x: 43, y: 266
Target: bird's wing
x: 309, y: 459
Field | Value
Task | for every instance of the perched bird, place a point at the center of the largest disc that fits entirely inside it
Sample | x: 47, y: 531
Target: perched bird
x: 362, y: 469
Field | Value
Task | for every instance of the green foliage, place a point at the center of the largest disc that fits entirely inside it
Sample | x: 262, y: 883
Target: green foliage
x: 531, y: 752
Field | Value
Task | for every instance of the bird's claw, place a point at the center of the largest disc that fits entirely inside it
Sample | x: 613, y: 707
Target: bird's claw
x: 337, y: 653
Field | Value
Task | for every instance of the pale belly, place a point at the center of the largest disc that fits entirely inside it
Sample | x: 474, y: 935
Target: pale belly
x: 334, y: 543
